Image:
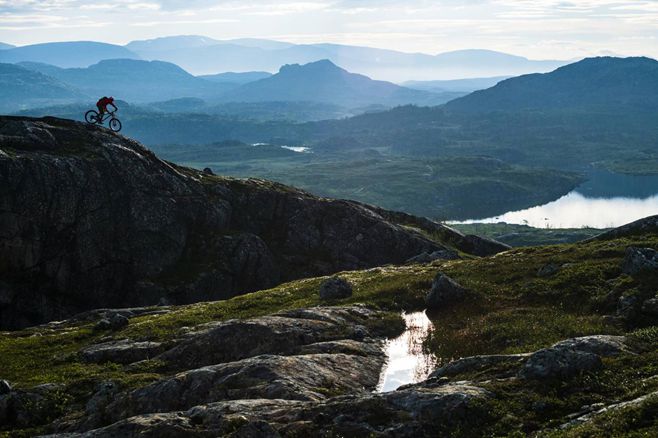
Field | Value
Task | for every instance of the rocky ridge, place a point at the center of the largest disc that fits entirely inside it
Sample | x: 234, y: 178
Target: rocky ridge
x: 91, y: 219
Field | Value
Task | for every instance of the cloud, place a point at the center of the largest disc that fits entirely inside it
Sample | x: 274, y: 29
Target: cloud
x: 535, y: 28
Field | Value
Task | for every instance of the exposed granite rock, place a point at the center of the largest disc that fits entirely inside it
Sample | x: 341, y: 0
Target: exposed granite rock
x: 603, y: 345
x: 479, y: 363
x: 639, y: 259
x: 167, y: 231
x: 419, y: 411
x: 281, y: 333
x: 426, y: 257
x: 571, y: 357
x: 444, y: 292
x: 123, y: 352
x: 335, y: 288
x: 276, y: 377
x: 589, y: 416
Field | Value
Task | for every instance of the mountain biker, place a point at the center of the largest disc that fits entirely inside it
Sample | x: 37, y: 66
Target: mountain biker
x: 102, y: 104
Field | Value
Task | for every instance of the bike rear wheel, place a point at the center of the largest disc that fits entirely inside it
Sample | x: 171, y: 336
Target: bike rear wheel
x: 115, y: 124
x: 91, y: 116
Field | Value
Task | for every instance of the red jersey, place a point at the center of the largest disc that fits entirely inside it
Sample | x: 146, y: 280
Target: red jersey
x: 103, y: 102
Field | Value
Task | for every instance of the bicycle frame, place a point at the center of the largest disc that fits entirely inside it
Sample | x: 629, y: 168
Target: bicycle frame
x: 107, y: 115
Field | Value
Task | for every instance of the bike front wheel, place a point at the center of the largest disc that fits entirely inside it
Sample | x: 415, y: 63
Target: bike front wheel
x: 91, y: 116
x: 115, y: 124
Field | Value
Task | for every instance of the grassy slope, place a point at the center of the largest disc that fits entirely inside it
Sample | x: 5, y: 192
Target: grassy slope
x: 523, y: 235
x: 511, y: 310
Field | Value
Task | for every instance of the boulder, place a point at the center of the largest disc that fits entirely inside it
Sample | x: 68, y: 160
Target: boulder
x: 572, y: 356
x: 425, y: 257
x: 650, y: 307
x: 639, y: 259
x: 103, y: 324
x: 5, y: 387
x: 444, y: 292
x: 335, y: 288
x: 548, y: 270
x: 551, y: 363
x: 603, y: 345
x: 628, y: 306
x: 118, y: 321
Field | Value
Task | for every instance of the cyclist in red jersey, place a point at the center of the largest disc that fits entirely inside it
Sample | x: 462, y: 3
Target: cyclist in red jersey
x: 102, y: 104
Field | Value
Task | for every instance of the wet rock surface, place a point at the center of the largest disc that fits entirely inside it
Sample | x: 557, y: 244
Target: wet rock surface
x: 168, y: 233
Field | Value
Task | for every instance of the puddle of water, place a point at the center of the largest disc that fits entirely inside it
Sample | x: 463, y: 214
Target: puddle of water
x: 406, y: 360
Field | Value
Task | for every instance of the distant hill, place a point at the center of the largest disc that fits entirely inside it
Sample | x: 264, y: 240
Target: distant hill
x: 21, y: 88
x: 323, y: 81
x: 237, y: 78
x: 4, y: 46
x: 171, y: 43
x: 455, y: 85
x: 134, y: 80
x: 67, y: 54
x: 201, y: 55
x: 604, y: 83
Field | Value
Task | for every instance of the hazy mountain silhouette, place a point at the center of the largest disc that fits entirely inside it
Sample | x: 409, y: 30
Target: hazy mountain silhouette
x: 237, y: 78
x: 202, y: 55
x: 67, y: 54
x: 456, y: 85
x: 323, y: 81
x: 602, y: 83
x: 135, y: 80
x: 4, y: 46
x: 22, y: 88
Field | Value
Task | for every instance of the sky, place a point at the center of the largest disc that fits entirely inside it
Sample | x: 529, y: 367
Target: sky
x: 537, y: 29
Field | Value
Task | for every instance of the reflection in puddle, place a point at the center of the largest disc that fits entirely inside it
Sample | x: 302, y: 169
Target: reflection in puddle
x: 407, y: 363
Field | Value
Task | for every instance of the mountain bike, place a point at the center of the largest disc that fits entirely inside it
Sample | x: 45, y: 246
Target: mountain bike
x: 92, y: 117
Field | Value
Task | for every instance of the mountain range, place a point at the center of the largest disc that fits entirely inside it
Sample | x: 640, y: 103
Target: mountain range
x: 21, y: 88
x: 323, y: 81
x: 139, y: 81
x: 134, y: 80
x: 202, y: 55
x: 603, y: 82
x: 66, y: 54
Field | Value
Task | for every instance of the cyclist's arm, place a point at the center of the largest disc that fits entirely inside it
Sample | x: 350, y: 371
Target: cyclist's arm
x: 113, y: 106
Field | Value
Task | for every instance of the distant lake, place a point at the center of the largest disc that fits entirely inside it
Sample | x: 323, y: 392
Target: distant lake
x: 605, y: 200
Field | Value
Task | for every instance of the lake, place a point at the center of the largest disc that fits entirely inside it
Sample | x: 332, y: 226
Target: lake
x: 605, y: 200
